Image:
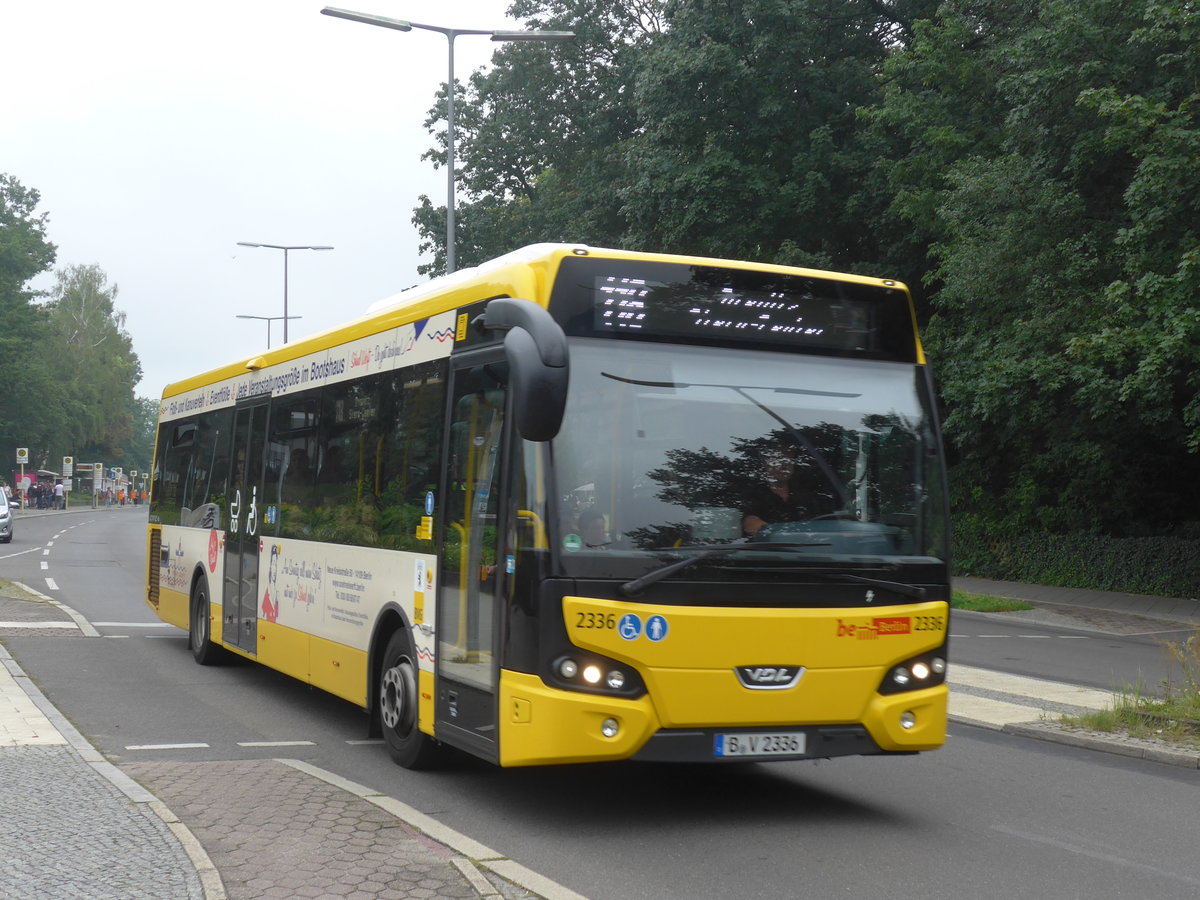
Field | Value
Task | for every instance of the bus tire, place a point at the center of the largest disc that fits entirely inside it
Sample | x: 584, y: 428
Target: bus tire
x: 204, y: 651
x: 407, y: 745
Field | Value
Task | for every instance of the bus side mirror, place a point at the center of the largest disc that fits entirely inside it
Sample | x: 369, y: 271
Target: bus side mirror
x: 536, y: 350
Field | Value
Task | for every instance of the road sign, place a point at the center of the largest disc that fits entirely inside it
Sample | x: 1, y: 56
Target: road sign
x: 68, y: 465
x: 22, y: 456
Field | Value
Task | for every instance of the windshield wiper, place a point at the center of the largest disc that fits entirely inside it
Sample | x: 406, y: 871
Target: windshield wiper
x: 896, y: 587
x: 632, y: 588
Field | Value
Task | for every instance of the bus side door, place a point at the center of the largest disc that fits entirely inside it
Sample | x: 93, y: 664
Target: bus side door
x: 472, y: 560
x: 240, y: 590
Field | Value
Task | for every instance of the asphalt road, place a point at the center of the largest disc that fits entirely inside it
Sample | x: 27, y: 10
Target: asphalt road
x: 989, y: 815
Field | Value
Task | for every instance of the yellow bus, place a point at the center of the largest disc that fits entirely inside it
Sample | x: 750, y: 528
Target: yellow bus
x: 578, y: 505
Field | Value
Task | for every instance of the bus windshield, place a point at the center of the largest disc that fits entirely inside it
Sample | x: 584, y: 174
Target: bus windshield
x: 824, y: 459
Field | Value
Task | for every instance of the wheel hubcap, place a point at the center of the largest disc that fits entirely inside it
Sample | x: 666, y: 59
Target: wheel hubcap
x: 399, y: 697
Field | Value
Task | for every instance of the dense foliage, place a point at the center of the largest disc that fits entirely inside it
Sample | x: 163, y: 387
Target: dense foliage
x: 1027, y: 166
x: 70, y: 365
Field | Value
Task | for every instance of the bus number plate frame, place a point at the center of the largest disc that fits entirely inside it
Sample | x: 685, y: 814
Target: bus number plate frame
x: 760, y: 743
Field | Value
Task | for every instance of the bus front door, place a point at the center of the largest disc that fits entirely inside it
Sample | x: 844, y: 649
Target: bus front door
x: 472, y: 572
x: 240, y: 590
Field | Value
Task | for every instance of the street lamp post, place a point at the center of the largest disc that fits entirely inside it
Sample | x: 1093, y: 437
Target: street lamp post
x: 451, y: 34
x: 269, y: 320
x: 285, y: 249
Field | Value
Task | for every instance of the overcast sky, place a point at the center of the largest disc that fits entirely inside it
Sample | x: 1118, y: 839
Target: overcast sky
x: 160, y: 134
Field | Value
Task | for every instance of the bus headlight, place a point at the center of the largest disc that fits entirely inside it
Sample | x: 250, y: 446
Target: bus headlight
x: 594, y: 674
x: 926, y: 670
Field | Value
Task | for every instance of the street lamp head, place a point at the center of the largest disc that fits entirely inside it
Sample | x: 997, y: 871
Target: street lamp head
x: 285, y: 246
x: 533, y: 35
x: 382, y: 21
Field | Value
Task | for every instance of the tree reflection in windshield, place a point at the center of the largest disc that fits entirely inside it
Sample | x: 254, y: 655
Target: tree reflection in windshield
x: 710, y: 448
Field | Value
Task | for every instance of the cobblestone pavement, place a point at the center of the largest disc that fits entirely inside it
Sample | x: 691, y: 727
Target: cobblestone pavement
x: 274, y: 831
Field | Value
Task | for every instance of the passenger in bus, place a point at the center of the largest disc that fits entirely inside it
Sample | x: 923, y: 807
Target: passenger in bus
x: 593, y: 530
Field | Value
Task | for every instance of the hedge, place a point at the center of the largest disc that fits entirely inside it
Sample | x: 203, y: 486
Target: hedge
x: 1164, y: 566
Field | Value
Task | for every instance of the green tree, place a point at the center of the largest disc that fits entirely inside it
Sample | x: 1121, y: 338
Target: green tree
x: 30, y: 404
x: 1048, y: 160
x: 92, y: 356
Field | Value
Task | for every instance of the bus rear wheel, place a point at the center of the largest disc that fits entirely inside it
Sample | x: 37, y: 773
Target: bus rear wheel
x: 407, y: 745
x: 204, y: 651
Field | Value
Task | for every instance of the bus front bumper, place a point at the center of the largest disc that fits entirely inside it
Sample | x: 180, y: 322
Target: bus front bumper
x: 540, y: 725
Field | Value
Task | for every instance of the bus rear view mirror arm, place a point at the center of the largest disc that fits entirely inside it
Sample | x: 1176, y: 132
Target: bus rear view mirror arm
x: 536, y: 349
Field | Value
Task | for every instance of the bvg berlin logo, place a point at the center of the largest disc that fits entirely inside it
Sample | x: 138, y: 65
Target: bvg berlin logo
x: 768, y: 678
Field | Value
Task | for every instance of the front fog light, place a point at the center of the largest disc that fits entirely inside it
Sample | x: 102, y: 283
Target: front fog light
x: 908, y: 721
x: 609, y: 728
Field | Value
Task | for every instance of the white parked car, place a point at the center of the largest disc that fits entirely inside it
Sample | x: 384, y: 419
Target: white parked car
x: 6, y: 519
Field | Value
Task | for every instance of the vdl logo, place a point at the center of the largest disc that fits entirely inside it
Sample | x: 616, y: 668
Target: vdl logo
x: 768, y: 678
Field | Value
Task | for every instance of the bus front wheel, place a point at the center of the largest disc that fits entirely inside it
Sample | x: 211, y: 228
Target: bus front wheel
x: 407, y: 745
x: 204, y: 651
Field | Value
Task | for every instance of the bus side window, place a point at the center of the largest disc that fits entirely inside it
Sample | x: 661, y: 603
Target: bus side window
x: 292, y: 434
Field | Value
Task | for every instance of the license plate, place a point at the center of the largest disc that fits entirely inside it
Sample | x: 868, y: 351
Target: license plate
x: 765, y: 743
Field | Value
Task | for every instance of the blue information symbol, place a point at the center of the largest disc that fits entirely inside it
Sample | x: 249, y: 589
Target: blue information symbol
x: 656, y: 628
x: 630, y: 626
x: 429, y: 503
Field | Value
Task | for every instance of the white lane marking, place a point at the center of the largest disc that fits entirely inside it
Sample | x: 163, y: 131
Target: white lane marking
x: 370, y: 742
x: 167, y: 747
x: 276, y: 743
x: 50, y: 583
x: 45, y: 565
x: 20, y: 553
x: 134, y: 624
x: 39, y: 625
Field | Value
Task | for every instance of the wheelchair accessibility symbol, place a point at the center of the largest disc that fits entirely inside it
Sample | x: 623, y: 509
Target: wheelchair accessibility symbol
x: 630, y: 626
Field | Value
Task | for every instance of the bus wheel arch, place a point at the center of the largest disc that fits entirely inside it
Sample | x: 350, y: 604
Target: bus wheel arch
x: 396, y: 704
x: 204, y: 651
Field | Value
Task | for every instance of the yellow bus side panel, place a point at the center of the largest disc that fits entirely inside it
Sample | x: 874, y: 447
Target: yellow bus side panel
x: 338, y: 669
x: 283, y: 649
x: 332, y: 667
x: 173, y: 608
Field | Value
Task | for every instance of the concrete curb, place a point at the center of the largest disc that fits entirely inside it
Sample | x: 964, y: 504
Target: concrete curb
x: 1151, y: 752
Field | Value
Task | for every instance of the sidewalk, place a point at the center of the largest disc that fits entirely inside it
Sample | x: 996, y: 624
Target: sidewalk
x: 1180, y: 610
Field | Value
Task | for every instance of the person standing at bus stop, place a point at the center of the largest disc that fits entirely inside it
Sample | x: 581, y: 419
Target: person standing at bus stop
x: 60, y: 495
